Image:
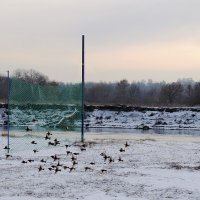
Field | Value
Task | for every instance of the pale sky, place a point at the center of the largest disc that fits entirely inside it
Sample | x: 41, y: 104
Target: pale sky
x: 132, y: 39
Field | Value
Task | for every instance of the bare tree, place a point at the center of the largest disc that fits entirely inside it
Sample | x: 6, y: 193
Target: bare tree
x: 30, y: 76
x: 196, y: 94
x: 121, y: 92
x: 134, y: 92
x: 170, y: 92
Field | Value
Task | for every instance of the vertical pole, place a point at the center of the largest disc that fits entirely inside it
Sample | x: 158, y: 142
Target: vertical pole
x: 83, y: 86
x: 8, y: 123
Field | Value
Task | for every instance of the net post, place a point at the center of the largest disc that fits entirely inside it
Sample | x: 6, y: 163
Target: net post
x: 8, y: 122
x: 83, y: 85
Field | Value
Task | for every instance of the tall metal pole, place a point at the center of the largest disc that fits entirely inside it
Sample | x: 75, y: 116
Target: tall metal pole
x: 8, y: 123
x: 83, y: 86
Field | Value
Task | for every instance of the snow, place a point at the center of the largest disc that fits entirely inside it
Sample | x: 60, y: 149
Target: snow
x: 145, y: 174
x: 156, y: 119
x: 183, y: 119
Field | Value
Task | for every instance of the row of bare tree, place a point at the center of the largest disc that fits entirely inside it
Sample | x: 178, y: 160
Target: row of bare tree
x: 181, y: 93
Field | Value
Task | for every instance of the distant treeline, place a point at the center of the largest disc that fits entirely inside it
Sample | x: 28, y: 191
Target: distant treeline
x: 185, y: 92
x: 3, y: 89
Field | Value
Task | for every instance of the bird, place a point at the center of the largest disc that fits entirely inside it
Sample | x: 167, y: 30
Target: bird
x: 48, y: 133
x: 50, y: 169
x: 83, y: 149
x: 6, y: 147
x: 120, y: 159
x: 76, y: 154
x: 126, y: 144
x: 84, y: 145
x: 28, y: 129
x: 56, y: 142
x: 74, y: 163
x: 105, y: 157
x: 23, y: 161
x: 43, y: 161
x: 65, y: 167
x: 40, y: 168
x: 8, y: 156
x: 68, y: 152
x: 103, y: 170
x: 47, y: 138
x: 110, y: 160
x: 55, y: 158
x: 122, y: 150
x: 87, y: 126
x: 73, y: 158
x: 92, y: 163
x: 57, y: 170
x: 58, y: 164
x: 88, y: 168
x: 67, y: 146
x: 71, y: 168
x: 35, y: 151
x: 33, y: 142
x: 51, y: 143
x: 30, y: 160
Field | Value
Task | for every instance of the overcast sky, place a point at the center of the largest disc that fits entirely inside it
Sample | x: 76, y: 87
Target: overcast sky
x: 132, y: 39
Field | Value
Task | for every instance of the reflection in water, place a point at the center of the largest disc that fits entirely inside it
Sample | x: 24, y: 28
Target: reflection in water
x: 140, y: 131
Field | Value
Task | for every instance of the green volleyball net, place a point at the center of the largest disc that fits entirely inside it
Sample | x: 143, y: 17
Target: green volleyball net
x: 3, y: 110
x: 45, y: 106
x: 37, y: 108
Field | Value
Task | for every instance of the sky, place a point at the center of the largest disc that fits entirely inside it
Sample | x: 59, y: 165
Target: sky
x: 124, y: 39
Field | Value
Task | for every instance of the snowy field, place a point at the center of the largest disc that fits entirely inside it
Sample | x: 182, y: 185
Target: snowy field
x: 149, y: 118
x: 154, y: 167
x: 180, y: 119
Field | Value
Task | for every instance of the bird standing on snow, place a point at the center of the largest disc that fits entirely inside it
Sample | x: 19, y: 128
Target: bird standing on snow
x: 28, y: 129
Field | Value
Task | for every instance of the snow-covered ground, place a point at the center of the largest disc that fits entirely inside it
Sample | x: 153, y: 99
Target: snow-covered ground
x: 183, y: 119
x: 154, y: 167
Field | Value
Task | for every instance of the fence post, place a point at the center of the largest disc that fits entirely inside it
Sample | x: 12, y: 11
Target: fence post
x: 83, y: 86
x: 8, y: 123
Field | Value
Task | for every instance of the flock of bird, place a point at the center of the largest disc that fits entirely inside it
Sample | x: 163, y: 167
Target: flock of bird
x: 56, y: 163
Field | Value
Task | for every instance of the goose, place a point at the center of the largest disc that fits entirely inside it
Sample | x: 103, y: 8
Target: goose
x: 8, y: 156
x: 126, y: 144
x: 71, y: 168
x: 35, y: 151
x: 57, y: 170
x: 40, y: 168
x: 120, y: 159
x: 6, y: 147
x: 28, y: 129
x: 88, y: 168
x: 103, y: 170
x: 122, y: 150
